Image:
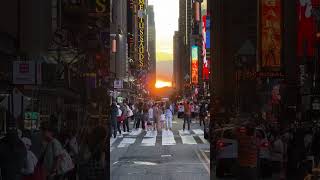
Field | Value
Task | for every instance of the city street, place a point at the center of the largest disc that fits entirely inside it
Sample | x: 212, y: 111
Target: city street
x: 167, y: 155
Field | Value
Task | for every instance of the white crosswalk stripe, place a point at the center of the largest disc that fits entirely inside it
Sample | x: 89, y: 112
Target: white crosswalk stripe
x: 203, y: 139
x: 149, y: 139
x: 198, y: 131
x: 135, y: 132
x: 126, y: 142
x: 186, y: 137
x: 168, y: 138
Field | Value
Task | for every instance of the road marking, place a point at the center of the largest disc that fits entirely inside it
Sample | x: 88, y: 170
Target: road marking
x: 150, y: 138
x: 198, y: 131
x: 188, y: 140
x: 185, y: 132
x: 135, y: 132
x: 126, y: 142
x: 112, y: 140
x: 145, y: 163
x: 166, y: 155
x: 203, y: 139
x: 168, y: 138
x: 203, y: 162
x: 205, y: 157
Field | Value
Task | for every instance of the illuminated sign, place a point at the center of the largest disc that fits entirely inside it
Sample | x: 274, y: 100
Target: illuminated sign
x: 194, y: 65
x: 100, y: 6
x: 208, y: 27
x: 141, y: 47
x: 270, y: 33
x: 204, y: 50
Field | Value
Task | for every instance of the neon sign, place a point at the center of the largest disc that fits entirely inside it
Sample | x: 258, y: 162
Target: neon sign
x: 141, y: 33
x: 194, y: 65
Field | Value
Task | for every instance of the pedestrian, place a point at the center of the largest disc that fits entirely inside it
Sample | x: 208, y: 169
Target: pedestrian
x: 54, y: 155
x: 31, y: 160
x: 192, y: 109
x: 113, y: 117
x: 180, y: 110
x: 141, y: 116
x: 202, y: 113
x: 169, y: 116
x: 94, y: 167
x: 150, y: 121
x: 162, y: 118
x: 277, y: 154
x: 248, y: 147
x: 125, y: 114
x: 13, y: 155
x: 119, y: 119
x: 187, y: 116
x: 156, y: 115
x: 72, y: 147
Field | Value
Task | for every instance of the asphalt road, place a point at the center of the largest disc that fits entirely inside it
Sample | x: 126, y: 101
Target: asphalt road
x: 167, y: 155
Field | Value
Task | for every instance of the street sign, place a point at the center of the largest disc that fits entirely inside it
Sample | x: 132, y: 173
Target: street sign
x: 118, y: 84
x: 31, y: 115
x: 31, y: 120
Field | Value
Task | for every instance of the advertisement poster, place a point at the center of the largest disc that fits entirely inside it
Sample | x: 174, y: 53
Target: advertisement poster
x: 270, y: 34
x: 306, y: 27
x: 194, y: 65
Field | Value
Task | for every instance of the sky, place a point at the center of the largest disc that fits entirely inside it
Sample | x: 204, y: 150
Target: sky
x: 166, y: 20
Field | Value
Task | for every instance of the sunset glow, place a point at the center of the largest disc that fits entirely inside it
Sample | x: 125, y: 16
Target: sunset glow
x: 161, y: 84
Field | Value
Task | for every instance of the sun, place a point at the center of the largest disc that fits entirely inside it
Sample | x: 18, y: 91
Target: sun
x: 161, y: 84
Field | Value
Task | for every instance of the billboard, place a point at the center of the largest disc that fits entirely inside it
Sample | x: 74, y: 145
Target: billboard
x: 306, y: 27
x: 208, y: 27
x: 270, y: 34
x: 194, y: 65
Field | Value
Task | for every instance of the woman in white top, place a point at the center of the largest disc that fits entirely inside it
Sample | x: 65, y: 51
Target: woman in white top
x: 169, y: 116
x: 150, y: 119
x: 31, y: 160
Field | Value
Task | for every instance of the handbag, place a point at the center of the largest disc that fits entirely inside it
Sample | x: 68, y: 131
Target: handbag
x: 66, y: 164
x: 39, y: 173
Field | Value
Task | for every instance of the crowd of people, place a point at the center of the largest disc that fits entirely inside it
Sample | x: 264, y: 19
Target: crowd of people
x: 154, y: 116
x: 68, y: 155
x: 148, y: 116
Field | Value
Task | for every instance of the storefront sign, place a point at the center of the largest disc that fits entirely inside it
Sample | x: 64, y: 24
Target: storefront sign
x: 194, y: 65
x: 141, y: 48
x: 31, y: 120
x: 270, y: 34
x: 118, y: 84
x: 26, y: 72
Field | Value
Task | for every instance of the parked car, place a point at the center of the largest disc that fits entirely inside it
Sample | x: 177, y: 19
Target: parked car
x: 226, y: 151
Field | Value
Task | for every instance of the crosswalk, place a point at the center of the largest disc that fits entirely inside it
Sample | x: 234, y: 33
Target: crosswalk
x: 154, y: 138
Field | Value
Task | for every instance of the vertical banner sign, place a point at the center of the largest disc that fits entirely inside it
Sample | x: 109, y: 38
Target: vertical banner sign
x: 194, y: 65
x: 306, y: 27
x: 270, y: 34
x: 205, y: 72
x: 141, y: 48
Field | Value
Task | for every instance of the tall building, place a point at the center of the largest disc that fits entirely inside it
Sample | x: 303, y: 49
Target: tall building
x: 119, y: 27
x: 152, y: 44
x: 230, y: 29
x: 177, y: 75
x: 185, y: 27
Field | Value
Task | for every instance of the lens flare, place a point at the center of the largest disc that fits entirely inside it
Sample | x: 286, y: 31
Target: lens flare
x: 161, y: 84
